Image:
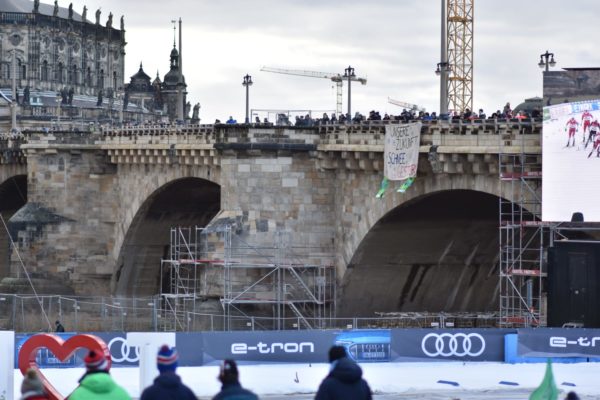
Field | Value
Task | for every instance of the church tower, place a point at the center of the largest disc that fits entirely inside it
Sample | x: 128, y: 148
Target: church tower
x: 174, y: 87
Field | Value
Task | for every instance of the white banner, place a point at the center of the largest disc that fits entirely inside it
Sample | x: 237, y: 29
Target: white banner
x: 149, y: 344
x: 401, y: 152
x: 7, y: 349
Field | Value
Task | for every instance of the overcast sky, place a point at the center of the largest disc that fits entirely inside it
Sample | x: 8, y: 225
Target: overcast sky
x: 395, y: 44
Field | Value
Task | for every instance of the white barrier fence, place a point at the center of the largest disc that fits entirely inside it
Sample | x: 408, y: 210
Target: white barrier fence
x: 7, y: 350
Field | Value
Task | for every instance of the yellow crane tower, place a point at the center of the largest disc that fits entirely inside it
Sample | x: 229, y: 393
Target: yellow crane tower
x: 337, y: 78
x: 456, y: 66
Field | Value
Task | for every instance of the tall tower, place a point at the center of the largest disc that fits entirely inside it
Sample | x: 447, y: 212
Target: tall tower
x: 180, y: 87
x: 173, y: 86
x: 460, y: 54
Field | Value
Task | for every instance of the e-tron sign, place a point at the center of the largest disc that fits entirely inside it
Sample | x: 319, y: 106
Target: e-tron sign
x: 559, y: 342
x: 265, y: 348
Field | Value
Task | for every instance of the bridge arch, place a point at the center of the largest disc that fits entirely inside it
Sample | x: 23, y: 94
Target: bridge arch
x: 13, y: 195
x: 433, y: 248
x: 185, y: 197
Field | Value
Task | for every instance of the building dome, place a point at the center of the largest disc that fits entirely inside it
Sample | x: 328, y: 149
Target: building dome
x: 140, y: 82
x: 529, y: 105
x: 173, y: 77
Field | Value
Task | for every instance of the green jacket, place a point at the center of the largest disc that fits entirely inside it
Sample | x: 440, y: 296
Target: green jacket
x: 99, y: 386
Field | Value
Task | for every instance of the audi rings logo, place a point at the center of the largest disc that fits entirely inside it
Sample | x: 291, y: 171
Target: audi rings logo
x: 123, y: 352
x: 457, y: 344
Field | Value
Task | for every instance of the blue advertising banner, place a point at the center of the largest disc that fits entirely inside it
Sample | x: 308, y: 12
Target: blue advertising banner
x: 267, y: 346
x: 190, y: 347
x: 381, y: 345
x: 558, y: 342
x: 448, y: 344
x: 366, y: 345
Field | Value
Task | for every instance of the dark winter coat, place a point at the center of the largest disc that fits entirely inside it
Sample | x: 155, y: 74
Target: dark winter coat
x: 344, y: 382
x: 168, y: 385
x: 234, y: 391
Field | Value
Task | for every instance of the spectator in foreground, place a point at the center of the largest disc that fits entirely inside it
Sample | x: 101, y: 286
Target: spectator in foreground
x: 168, y: 384
x: 572, y: 396
x: 32, y: 387
x: 344, y: 381
x: 231, y: 389
x: 96, y: 383
x: 59, y: 327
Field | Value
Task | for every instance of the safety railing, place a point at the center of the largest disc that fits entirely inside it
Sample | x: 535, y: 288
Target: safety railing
x: 23, y: 313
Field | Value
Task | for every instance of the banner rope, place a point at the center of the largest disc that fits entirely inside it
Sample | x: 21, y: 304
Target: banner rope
x: 12, y: 243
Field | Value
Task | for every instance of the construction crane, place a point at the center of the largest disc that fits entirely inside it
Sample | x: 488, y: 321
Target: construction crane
x: 403, y: 104
x: 337, y: 78
x: 456, y: 66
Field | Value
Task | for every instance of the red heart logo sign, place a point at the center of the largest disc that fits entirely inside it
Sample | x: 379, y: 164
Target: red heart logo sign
x: 62, y: 349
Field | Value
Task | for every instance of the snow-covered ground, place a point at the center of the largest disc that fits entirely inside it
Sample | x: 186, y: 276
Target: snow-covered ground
x: 570, y: 178
x: 403, y: 380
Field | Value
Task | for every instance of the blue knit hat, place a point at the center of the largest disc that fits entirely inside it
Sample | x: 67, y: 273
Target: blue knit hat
x: 167, y: 359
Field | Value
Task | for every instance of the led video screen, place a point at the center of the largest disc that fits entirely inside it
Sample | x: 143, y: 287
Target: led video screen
x: 571, y: 145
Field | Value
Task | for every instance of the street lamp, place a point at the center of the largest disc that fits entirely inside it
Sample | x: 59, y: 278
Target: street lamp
x: 58, y: 103
x: 442, y: 71
x: 247, y: 83
x: 544, y: 60
x: 443, y: 67
x: 121, y: 97
x: 349, y: 73
x: 14, y: 102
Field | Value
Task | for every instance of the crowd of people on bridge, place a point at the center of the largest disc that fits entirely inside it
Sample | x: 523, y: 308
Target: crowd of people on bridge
x: 308, y: 120
x: 344, y: 381
x: 406, y: 115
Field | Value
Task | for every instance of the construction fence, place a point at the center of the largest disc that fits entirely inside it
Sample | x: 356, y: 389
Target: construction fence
x: 26, y: 313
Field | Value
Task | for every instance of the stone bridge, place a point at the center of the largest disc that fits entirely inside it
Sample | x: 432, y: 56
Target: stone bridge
x: 92, y: 212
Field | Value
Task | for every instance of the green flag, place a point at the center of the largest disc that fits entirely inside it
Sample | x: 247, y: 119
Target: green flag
x: 405, y: 185
x: 384, y: 185
x: 547, y: 389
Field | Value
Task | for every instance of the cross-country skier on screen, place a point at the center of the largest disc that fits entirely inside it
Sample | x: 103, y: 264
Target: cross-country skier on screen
x: 571, y: 127
x: 596, y: 146
x: 594, y: 129
x: 586, y: 119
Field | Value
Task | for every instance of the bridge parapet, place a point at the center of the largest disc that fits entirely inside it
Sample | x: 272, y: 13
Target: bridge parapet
x: 11, y: 151
x: 447, y: 146
x: 492, y: 133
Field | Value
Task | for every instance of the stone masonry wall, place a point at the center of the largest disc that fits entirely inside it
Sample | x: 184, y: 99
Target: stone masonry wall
x: 285, y: 193
x: 71, y: 213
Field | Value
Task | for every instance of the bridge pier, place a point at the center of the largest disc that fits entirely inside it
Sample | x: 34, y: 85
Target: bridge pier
x: 64, y: 232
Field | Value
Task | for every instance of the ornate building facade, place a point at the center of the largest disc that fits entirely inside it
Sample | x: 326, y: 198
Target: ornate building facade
x: 66, y: 68
x: 57, y: 49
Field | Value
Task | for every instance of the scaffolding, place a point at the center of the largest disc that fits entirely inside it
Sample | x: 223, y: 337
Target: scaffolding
x: 288, y: 286
x: 523, y: 236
